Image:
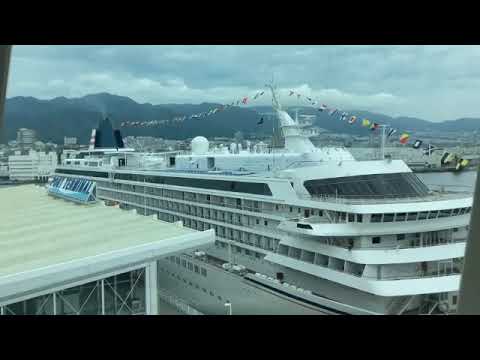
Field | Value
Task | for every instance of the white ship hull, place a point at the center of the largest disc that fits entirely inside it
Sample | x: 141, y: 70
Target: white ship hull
x: 249, y: 294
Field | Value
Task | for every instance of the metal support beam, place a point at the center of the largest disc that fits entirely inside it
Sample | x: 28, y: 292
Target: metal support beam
x: 151, y: 288
x: 103, y: 295
x: 469, y: 295
x: 54, y: 303
x: 5, y: 52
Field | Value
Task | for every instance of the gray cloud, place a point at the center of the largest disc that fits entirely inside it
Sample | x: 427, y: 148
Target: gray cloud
x: 432, y: 82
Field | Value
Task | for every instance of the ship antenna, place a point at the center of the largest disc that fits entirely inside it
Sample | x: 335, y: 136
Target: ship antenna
x: 276, y: 105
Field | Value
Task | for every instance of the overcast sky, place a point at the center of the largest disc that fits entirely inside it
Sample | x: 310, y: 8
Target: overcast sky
x: 431, y: 82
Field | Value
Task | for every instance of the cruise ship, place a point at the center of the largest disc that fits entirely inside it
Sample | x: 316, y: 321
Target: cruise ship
x: 299, y: 230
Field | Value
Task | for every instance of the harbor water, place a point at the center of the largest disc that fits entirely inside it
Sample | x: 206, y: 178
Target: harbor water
x: 450, y: 181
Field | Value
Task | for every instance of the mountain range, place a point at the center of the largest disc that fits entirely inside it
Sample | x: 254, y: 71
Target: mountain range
x: 53, y: 119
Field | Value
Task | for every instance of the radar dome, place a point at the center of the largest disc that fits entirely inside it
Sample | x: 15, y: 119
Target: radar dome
x: 200, y: 145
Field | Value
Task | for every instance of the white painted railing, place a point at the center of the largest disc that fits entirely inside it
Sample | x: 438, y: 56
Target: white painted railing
x: 177, y: 303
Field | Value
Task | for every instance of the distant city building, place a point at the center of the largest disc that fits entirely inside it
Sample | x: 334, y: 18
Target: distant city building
x: 35, y: 165
x: 69, y: 141
x: 25, y: 138
x: 3, y: 169
x: 39, y: 146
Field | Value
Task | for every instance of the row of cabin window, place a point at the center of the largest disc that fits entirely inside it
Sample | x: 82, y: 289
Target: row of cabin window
x: 377, y: 239
x: 193, y: 209
x: 191, y: 284
x: 188, y: 265
x: 423, y: 215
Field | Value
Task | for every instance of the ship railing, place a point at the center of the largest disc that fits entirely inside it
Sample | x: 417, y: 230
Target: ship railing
x: 408, y: 244
x: 418, y: 275
x: 385, y: 198
x: 455, y: 270
x: 177, y: 303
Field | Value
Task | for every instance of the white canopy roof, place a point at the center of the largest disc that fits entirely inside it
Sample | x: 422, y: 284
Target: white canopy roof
x: 57, y: 241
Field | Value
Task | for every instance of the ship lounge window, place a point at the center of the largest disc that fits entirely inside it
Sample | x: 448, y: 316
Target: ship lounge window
x: 351, y: 217
x: 462, y: 211
x: 265, y: 222
x: 197, y: 270
x: 98, y: 174
x: 184, y: 263
x: 359, y: 217
x: 444, y: 213
x: 378, y: 185
x: 401, y: 217
x: 304, y: 226
x: 455, y: 212
x: 467, y: 211
x: 401, y: 237
x: 433, y: 214
x: 423, y: 215
x: 388, y: 217
x: 412, y: 216
x: 376, y: 240
x: 291, y: 209
x: 376, y: 218
x: 210, y: 184
x: 455, y: 229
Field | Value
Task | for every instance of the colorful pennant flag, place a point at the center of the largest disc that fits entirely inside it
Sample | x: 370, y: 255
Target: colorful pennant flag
x: 374, y: 126
x: 344, y: 116
x: 365, y: 122
x: 444, y: 158
x: 450, y: 158
x: 352, y: 120
x: 404, y: 138
x: 391, y: 132
x: 417, y: 144
x: 245, y: 99
x: 322, y: 107
x: 462, y: 163
x: 260, y: 122
x: 333, y: 111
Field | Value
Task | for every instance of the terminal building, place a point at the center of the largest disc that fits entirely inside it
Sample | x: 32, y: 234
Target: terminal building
x: 62, y: 257
x: 35, y: 165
